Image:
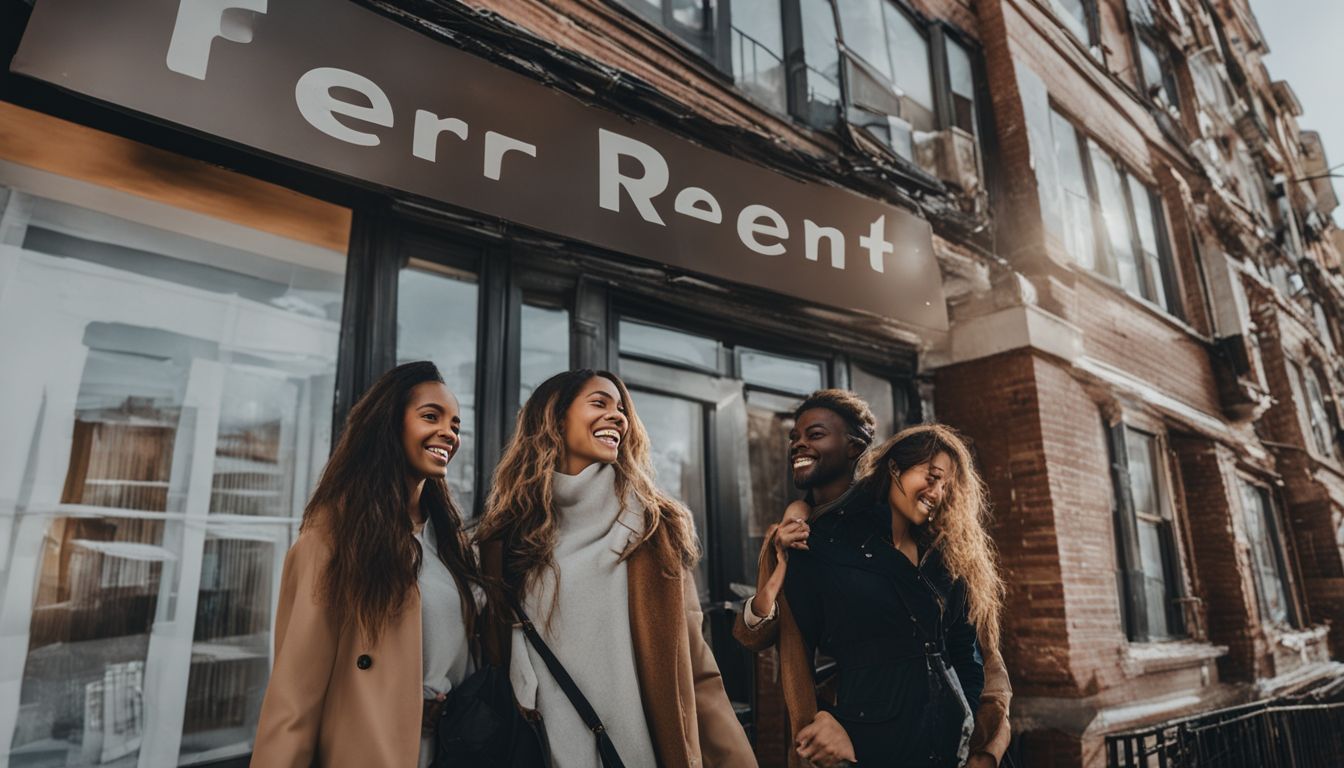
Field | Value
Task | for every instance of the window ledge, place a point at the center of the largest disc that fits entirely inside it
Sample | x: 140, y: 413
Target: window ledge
x: 1146, y: 658
x: 1153, y: 309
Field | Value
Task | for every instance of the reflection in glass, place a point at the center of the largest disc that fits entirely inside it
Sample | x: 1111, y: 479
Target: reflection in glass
x: 768, y: 474
x: 878, y: 394
x: 784, y: 374
x: 188, y: 385
x: 823, y: 62
x: 758, y: 51
x: 654, y: 342
x: 1115, y: 216
x: 436, y: 321
x: 1075, y: 199
x: 544, y: 347
x: 1258, y: 513
x: 677, y: 447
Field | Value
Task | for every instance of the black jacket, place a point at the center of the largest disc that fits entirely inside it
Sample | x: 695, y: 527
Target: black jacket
x: 861, y: 602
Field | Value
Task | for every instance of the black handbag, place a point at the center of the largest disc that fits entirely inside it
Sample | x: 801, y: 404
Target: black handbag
x: 605, y: 748
x: 480, y: 723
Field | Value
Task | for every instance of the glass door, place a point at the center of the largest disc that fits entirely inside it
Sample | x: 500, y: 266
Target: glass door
x: 718, y: 418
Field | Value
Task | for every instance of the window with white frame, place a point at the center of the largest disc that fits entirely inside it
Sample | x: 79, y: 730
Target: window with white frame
x: 1112, y: 223
x: 1262, y: 534
x: 1315, y: 419
x: 1077, y: 17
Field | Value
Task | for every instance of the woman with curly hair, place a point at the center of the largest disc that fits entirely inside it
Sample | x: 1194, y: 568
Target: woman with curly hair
x: 376, y: 598
x: 577, y: 533
x: 902, y: 590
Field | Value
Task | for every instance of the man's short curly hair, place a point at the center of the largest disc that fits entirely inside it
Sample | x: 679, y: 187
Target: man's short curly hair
x: 854, y: 410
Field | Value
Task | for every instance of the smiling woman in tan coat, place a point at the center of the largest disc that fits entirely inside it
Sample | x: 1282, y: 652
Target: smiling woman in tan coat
x: 599, y: 558
x: 376, y: 600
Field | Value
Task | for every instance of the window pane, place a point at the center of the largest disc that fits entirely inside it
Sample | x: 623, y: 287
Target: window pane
x: 544, y: 347
x: 1316, y: 414
x: 436, y: 321
x: 861, y: 25
x: 786, y: 374
x: 1151, y: 69
x: 910, y: 62
x: 877, y: 391
x: 1077, y: 213
x: 823, y: 62
x: 758, y: 51
x: 1074, y: 15
x: 1269, y: 582
x: 1155, y: 589
x: 961, y: 76
x: 1115, y: 217
x: 676, y: 430
x: 187, y: 381
x: 666, y: 344
x: 1145, y: 216
x: 1142, y: 478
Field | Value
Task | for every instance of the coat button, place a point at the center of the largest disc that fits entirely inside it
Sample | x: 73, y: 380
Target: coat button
x: 364, y: 661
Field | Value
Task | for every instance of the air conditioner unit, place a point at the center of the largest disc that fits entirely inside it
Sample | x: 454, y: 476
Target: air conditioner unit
x: 952, y: 155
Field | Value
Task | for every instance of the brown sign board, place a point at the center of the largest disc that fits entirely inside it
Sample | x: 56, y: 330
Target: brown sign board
x: 336, y: 86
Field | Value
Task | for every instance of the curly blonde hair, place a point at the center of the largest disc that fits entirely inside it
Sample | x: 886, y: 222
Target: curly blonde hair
x: 520, y: 510
x: 959, y: 528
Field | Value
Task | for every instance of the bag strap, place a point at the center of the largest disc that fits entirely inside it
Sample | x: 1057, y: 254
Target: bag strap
x: 605, y: 747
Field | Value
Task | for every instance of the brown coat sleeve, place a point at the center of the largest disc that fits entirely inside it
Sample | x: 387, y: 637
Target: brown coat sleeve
x: 305, y: 651
x: 765, y: 634
x: 723, y: 743
x: 992, y: 730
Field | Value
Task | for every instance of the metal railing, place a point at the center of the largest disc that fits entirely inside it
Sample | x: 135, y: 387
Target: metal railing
x: 1261, y: 735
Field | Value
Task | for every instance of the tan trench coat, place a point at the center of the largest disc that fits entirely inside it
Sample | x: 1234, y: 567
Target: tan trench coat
x: 691, y: 722
x: 992, y: 731
x: 334, y: 699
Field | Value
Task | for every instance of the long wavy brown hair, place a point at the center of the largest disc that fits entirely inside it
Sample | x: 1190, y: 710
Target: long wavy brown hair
x: 362, y: 505
x: 959, y: 526
x: 520, y: 511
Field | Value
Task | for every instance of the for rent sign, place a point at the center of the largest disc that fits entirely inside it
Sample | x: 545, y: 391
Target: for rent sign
x: 336, y: 86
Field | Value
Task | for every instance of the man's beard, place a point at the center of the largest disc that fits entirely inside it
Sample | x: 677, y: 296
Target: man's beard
x: 823, y: 473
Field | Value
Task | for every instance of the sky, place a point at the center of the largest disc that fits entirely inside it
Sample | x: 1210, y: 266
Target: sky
x: 1306, y: 48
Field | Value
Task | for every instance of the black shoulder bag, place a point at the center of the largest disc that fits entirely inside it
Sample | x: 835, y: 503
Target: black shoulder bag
x: 605, y: 748
x: 481, y: 723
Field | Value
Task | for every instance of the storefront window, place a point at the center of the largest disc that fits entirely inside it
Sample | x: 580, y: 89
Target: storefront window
x: 545, y: 347
x: 167, y: 410
x: 436, y: 320
x: 782, y: 374
x: 655, y: 343
x: 877, y: 391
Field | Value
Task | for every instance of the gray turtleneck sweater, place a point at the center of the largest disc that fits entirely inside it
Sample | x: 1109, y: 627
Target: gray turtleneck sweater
x: 589, y: 628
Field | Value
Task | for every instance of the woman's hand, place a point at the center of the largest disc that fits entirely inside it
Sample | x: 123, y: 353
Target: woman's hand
x: 788, y: 535
x: 825, y: 742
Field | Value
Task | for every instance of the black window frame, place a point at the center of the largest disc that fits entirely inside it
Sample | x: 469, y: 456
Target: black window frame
x: 936, y: 33
x: 1145, y: 33
x: 1092, y: 22
x: 1129, y: 563
x: 1171, y: 300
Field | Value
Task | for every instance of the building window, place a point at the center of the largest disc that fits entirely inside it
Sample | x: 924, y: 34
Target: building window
x: 1077, y: 17
x: 1157, y: 71
x: 902, y: 76
x: 1262, y: 533
x: 1149, y: 564
x: 178, y: 372
x: 1112, y: 223
x: 1315, y: 419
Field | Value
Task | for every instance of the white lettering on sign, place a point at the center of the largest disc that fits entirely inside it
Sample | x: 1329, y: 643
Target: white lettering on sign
x: 428, y: 128
x: 319, y: 107
x: 496, y: 146
x: 198, y: 23
x: 611, y: 147
x: 756, y: 220
x: 812, y: 234
x: 876, y: 243
x: 699, y: 204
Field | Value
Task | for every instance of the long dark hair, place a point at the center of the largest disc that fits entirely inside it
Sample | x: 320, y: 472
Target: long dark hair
x: 959, y: 528
x: 520, y: 511
x: 362, y: 505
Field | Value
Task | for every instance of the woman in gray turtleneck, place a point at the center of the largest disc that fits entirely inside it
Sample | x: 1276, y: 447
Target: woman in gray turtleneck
x: 600, y: 560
